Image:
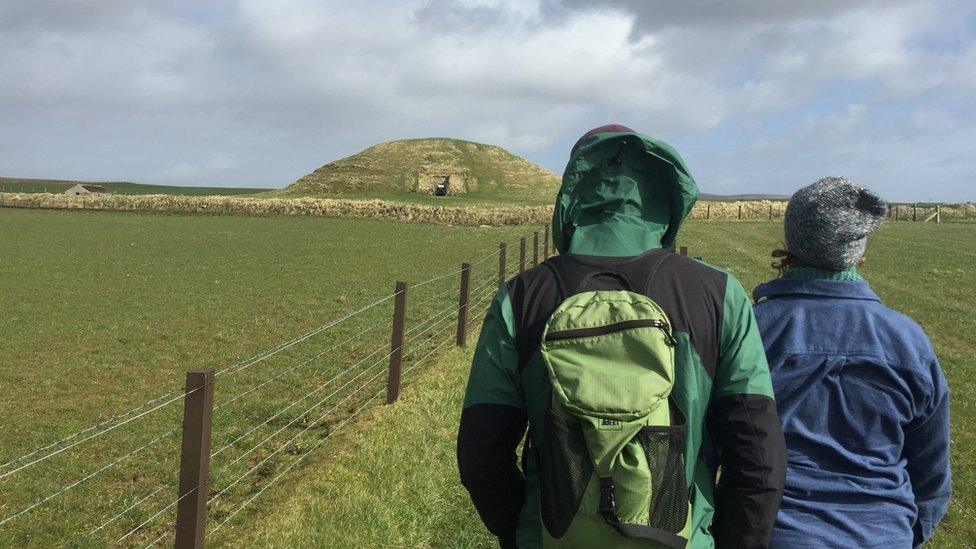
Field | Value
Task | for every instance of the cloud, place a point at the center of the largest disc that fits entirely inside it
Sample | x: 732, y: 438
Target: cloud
x: 137, y: 90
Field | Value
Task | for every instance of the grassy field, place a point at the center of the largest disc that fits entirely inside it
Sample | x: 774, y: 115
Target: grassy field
x: 102, y: 311
x: 21, y: 185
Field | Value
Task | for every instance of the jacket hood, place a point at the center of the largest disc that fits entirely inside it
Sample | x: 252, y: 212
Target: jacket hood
x: 623, y: 193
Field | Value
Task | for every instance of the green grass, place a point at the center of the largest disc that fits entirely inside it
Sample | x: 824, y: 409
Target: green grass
x: 104, y: 310
x: 19, y: 185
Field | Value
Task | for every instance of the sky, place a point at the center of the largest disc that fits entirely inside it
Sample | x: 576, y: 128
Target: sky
x: 759, y: 96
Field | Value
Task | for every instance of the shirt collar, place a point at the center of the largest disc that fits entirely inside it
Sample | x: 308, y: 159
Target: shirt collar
x: 844, y: 289
x: 821, y: 274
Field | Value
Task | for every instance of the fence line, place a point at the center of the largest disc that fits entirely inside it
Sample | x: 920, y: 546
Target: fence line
x: 230, y: 370
x: 298, y: 459
x: 294, y: 438
x: 314, y: 447
x: 309, y: 334
x: 96, y: 435
x: 296, y: 366
x: 441, y: 314
x: 440, y: 321
x: 317, y: 404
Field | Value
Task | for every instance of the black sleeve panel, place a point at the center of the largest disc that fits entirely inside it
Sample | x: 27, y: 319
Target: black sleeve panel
x: 486, y: 450
x: 753, y: 459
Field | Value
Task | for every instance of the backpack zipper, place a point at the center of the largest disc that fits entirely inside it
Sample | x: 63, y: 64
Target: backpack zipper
x: 612, y: 328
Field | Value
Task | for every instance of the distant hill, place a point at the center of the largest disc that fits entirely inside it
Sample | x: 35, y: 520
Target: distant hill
x: 417, y: 166
x: 26, y: 185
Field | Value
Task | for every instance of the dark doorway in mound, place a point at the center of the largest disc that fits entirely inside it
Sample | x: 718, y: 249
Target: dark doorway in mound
x: 443, y: 187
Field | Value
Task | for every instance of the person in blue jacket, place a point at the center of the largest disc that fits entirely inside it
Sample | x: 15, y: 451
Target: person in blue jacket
x: 861, y: 396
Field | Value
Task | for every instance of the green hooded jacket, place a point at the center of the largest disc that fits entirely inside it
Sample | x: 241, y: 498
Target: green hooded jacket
x: 625, y: 195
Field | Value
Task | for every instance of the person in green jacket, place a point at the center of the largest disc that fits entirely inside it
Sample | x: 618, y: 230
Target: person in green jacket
x: 623, y: 198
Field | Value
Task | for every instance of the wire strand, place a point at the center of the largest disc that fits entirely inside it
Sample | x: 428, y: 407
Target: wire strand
x: 304, y: 337
x: 87, y: 477
x: 126, y: 510
x: 160, y: 512
x: 293, y: 463
x: 963, y: 509
x: 314, y: 447
x: 168, y: 397
x: 298, y: 365
x: 292, y: 439
x: 309, y: 409
x: 100, y: 433
x: 310, y: 393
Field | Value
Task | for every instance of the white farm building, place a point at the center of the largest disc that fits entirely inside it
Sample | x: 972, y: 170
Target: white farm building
x: 82, y: 189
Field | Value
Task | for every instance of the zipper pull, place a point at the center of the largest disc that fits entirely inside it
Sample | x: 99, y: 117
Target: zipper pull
x: 667, y: 333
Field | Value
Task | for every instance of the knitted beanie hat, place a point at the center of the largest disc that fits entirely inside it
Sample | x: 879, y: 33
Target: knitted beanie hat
x: 828, y: 222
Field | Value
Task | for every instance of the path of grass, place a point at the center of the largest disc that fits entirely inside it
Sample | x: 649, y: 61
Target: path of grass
x: 389, y: 481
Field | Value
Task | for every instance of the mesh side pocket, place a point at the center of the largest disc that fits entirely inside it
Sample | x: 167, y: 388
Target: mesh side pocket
x: 564, y: 471
x: 665, y: 449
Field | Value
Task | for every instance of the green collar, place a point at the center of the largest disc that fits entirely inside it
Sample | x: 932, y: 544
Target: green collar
x: 814, y: 273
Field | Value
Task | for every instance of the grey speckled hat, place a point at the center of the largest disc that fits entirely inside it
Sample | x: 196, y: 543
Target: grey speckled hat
x: 828, y: 222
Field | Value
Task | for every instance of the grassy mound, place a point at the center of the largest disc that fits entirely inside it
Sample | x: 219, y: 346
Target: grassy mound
x: 399, y: 168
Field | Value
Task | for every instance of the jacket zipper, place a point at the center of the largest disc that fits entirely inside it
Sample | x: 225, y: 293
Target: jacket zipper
x: 612, y: 328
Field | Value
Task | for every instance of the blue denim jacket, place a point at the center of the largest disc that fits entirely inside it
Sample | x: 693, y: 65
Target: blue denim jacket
x: 865, y: 411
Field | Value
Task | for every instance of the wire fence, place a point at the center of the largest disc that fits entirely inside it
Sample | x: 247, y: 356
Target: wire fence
x: 118, y: 484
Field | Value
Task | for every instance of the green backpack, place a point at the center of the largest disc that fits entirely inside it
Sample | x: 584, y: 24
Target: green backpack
x: 612, y: 463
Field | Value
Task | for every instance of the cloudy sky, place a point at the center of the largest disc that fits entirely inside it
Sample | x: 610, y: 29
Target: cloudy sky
x: 758, y: 95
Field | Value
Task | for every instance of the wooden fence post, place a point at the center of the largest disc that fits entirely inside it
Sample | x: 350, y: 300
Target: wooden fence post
x: 896, y: 212
x: 684, y: 250
x: 191, y: 511
x: 462, y: 325
x: 396, y: 343
x: 545, y: 244
x: 915, y: 211
x: 501, y: 264
x: 770, y: 212
x: 740, y: 212
x: 708, y: 211
x: 938, y: 213
x: 522, y: 255
x: 535, y: 248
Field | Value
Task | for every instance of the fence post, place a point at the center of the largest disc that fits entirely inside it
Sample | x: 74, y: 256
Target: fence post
x: 708, y: 211
x: 535, y: 248
x: 462, y: 325
x: 522, y: 255
x: 501, y: 265
x: 396, y: 343
x: 545, y: 244
x: 896, y: 212
x: 684, y: 250
x: 191, y: 511
x: 915, y: 211
x: 938, y: 213
x: 740, y: 212
x: 770, y: 212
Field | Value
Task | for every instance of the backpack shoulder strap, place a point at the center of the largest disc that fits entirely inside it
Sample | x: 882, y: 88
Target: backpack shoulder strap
x: 573, y: 277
